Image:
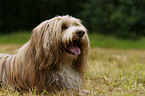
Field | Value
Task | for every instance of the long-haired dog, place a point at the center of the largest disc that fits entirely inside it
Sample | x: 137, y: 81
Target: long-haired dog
x: 54, y: 58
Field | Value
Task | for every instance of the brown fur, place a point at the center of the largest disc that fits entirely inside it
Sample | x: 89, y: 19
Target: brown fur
x: 42, y: 62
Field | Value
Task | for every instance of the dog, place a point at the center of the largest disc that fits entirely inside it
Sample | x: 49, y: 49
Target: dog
x: 53, y: 59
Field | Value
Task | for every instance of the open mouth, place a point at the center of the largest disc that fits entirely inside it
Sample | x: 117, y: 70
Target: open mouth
x: 73, y: 47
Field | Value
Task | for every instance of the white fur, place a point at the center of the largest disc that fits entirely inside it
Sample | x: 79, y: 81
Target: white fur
x: 69, y: 77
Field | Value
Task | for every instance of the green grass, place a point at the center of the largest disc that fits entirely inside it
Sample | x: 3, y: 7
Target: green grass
x: 112, y: 71
x: 97, y: 40
x: 20, y: 37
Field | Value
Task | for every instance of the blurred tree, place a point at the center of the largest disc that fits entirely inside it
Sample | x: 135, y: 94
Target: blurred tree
x: 26, y: 14
x: 17, y: 14
x: 120, y: 17
x: 124, y: 18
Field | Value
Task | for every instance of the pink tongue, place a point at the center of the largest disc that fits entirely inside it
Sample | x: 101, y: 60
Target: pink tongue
x: 75, y: 50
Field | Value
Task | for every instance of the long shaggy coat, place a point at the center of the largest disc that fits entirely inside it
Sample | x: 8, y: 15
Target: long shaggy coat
x: 54, y: 58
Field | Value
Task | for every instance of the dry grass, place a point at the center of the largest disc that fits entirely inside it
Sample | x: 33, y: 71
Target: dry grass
x: 9, y: 48
x: 116, y: 72
x: 111, y: 72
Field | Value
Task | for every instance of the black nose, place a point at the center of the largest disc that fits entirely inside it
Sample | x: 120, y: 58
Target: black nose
x: 80, y: 33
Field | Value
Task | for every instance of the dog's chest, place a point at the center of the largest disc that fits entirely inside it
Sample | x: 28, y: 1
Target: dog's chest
x: 69, y: 77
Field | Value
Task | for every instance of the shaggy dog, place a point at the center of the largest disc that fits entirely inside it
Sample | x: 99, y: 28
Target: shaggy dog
x: 54, y: 58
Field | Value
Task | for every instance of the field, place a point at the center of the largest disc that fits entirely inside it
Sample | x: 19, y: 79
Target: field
x: 115, y: 66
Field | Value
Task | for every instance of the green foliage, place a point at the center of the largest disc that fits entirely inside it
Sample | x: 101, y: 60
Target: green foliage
x: 124, y: 18
x: 18, y: 15
x: 120, y: 17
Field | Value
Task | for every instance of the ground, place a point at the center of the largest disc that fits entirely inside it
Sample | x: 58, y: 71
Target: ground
x: 110, y: 72
x: 116, y: 72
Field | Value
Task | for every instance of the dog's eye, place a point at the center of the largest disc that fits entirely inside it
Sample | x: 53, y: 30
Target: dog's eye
x: 64, y: 27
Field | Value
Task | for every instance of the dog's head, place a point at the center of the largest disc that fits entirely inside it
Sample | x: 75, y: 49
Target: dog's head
x: 73, y: 36
x: 62, y: 34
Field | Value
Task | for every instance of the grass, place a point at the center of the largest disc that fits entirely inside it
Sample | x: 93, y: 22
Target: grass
x: 15, y: 38
x: 111, y: 69
x: 103, y: 41
x: 110, y: 72
x: 116, y: 72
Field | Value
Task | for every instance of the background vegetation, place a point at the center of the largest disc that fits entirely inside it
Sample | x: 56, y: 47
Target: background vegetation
x: 123, y: 18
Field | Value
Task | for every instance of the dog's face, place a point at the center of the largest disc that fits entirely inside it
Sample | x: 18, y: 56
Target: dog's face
x: 63, y: 33
x: 74, y: 36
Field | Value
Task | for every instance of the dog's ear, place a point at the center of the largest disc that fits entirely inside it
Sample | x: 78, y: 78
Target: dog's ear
x: 47, y: 36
